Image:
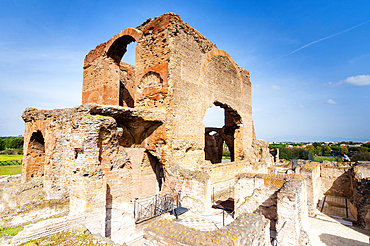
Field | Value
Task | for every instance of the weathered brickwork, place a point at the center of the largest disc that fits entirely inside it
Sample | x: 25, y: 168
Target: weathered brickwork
x: 249, y: 229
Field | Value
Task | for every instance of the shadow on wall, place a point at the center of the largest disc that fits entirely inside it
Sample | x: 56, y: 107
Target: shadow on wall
x: 269, y: 209
x: 341, y: 186
x: 333, y: 240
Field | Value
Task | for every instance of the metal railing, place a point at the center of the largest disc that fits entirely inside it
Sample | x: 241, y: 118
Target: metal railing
x: 150, y: 207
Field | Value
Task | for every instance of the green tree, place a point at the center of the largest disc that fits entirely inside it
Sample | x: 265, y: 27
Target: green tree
x: 367, y: 145
x: 14, y: 143
x: 2, y: 145
x: 326, y: 149
x: 299, y: 153
x: 334, y: 147
x: 318, y: 150
x: 343, y: 150
x: 310, y: 148
x: 363, y: 149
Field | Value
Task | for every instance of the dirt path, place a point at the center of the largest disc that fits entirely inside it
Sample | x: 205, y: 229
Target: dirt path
x: 335, y: 234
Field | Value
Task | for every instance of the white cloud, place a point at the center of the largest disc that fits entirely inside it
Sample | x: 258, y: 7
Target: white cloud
x: 359, y: 80
x: 275, y: 87
x: 331, y: 101
x: 300, y: 105
x: 256, y: 110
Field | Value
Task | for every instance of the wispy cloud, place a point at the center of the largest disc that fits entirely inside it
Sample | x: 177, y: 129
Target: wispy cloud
x: 332, y: 84
x: 299, y: 105
x: 322, y: 39
x: 276, y: 87
x: 331, y: 101
x: 359, y: 80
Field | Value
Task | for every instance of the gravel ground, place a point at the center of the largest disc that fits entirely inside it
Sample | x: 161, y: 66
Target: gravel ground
x: 335, y: 234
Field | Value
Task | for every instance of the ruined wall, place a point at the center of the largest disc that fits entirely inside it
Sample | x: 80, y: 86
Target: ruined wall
x: 151, y: 138
x: 292, y: 212
x: 202, y: 79
x: 280, y: 198
x: 311, y: 173
x: 107, y: 80
x: 179, y: 71
x: 360, y: 201
x: 336, y: 180
x: 84, y: 153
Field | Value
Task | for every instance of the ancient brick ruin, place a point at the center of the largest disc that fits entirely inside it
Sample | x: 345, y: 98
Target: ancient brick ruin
x: 139, y: 133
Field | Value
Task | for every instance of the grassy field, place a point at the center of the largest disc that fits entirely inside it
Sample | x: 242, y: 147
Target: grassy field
x: 11, y: 170
x: 324, y: 158
x: 10, y: 157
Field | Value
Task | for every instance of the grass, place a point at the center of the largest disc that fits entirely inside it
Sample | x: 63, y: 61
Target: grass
x: 68, y: 238
x: 10, y: 157
x: 324, y: 158
x: 10, y: 170
x: 10, y: 231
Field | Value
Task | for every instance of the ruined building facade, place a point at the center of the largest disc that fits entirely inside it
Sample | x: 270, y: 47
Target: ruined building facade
x: 139, y: 129
x: 139, y: 133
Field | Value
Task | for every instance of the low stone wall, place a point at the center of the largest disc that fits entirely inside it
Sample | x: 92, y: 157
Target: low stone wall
x: 225, y: 171
x: 35, y: 211
x: 14, y: 194
x: 46, y: 228
x: 223, y: 178
x: 248, y: 229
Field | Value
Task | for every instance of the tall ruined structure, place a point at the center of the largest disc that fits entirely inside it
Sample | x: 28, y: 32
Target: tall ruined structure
x: 139, y: 129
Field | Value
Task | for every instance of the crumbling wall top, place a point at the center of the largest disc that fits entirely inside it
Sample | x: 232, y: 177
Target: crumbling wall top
x: 31, y: 114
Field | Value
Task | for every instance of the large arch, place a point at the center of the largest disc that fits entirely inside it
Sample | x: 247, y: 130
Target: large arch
x: 116, y: 47
x: 207, y: 59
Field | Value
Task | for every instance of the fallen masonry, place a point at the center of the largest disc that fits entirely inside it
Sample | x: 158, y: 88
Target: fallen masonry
x: 138, y: 135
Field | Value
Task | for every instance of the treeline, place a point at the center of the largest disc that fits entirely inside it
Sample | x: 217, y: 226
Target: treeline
x: 360, y: 153
x: 11, y: 143
x: 288, y: 154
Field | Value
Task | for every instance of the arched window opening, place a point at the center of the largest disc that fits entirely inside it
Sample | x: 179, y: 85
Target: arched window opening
x: 37, y: 144
x: 220, y: 123
x: 123, y: 52
x: 35, y: 158
x: 119, y: 48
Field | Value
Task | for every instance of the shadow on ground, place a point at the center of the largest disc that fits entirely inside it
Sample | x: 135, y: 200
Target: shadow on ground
x: 333, y: 240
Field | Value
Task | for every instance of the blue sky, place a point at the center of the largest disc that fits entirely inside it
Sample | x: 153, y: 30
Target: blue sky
x: 309, y: 61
